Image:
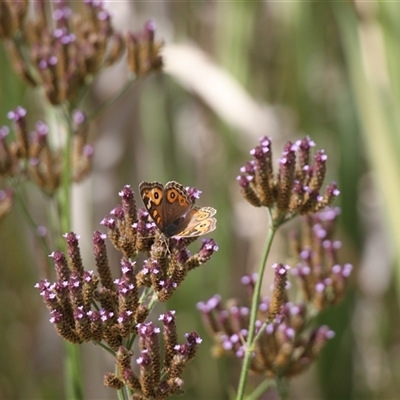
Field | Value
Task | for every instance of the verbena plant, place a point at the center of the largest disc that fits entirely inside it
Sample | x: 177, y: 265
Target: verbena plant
x: 59, y: 50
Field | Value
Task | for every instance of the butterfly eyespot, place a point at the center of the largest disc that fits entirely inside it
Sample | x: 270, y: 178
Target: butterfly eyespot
x: 171, y: 195
x: 156, y: 194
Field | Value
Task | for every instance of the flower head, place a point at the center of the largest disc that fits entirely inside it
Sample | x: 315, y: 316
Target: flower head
x: 295, y: 188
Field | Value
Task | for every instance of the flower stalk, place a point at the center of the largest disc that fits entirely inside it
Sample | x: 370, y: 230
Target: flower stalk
x: 273, y: 337
x: 253, y: 316
x: 73, y: 357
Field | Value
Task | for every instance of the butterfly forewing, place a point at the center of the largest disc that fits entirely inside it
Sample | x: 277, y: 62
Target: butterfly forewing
x: 152, y: 194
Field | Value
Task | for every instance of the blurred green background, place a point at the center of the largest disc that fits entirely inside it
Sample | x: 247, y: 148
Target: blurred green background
x: 234, y: 71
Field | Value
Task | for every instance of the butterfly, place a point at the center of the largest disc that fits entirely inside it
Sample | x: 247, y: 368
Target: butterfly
x: 172, y: 210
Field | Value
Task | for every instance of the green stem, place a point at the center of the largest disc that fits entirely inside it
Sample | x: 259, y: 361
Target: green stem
x: 66, y: 182
x: 73, y: 362
x: 106, y: 348
x: 73, y: 372
x: 282, y: 388
x: 260, y: 389
x: 253, y: 315
x: 123, y: 393
x: 110, y: 101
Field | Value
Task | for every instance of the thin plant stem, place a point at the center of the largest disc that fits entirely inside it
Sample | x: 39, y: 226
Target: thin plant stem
x: 111, y: 101
x: 66, y: 182
x: 123, y: 393
x: 253, y: 314
x: 73, y: 361
x: 106, y: 348
x: 73, y: 372
x: 282, y: 388
x: 260, y: 389
x: 30, y: 220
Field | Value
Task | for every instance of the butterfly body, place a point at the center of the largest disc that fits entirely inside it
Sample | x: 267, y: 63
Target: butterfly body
x: 172, y: 210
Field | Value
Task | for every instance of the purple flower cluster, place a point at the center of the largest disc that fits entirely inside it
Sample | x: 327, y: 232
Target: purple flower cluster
x: 87, y: 306
x: 283, y: 346
x: 159, y: 375
x: 322, y: 278
x: 31, y: 155
x: 61, y: 51
x: 295, y: 188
